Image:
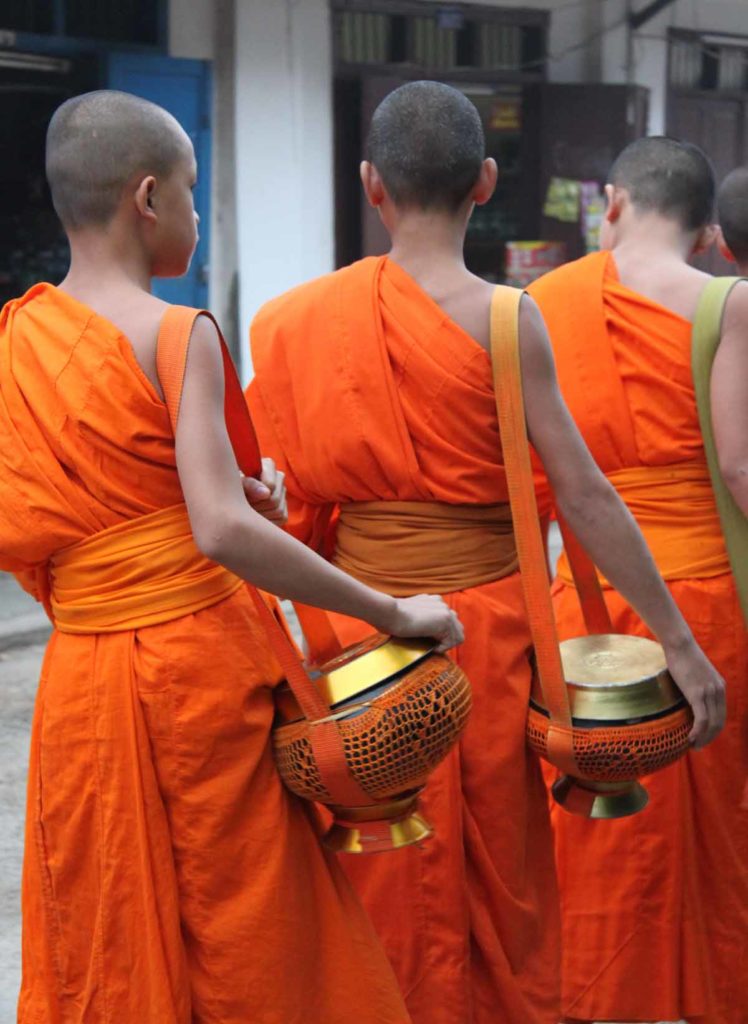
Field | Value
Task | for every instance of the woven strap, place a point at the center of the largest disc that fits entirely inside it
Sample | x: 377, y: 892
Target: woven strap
x: 171, y: 360
x: 530, y: 547
x: 705, y: 338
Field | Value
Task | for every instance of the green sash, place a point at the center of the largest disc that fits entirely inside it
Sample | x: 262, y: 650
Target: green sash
x: 705, y: 340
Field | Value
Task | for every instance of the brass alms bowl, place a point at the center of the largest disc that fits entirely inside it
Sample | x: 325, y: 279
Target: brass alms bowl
x: 629, y: 720
x: 399, y: 707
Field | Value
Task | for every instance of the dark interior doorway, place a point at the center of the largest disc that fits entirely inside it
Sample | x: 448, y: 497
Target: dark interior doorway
x: 32, y: 244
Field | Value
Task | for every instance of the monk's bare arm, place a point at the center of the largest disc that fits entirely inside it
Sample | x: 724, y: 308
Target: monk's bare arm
x: 729, y: 392
x: 606, y: 528
x: 229, y: 531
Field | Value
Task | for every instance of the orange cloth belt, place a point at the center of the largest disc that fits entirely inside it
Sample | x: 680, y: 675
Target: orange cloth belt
x: 136, y: 574
x: 412, y: 547
x: 675, y: 509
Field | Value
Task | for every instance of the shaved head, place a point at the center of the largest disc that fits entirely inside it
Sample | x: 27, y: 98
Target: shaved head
x: 732, y: 212
x: 426, y: 141
x: 673, y: 179
x: 97, y: 143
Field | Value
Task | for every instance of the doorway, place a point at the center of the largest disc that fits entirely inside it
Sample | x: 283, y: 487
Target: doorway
x: 33, y: 246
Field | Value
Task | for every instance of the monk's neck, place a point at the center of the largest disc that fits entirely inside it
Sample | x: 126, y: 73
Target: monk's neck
x: 100, y: 261
x: 650, y: 237
x: 423, y: 239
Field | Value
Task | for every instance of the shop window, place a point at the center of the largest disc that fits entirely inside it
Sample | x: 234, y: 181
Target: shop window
x: 123, y: 21
x: 26, y: 16
x: 138, y: 22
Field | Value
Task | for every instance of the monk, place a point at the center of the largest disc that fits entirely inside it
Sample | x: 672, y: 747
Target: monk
x: 732, y: 215
x: 655, y: 908
x: 169, y: 878
x: 373, y: 391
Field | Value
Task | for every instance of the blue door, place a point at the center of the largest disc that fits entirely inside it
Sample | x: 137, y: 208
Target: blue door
x: 183, y: 88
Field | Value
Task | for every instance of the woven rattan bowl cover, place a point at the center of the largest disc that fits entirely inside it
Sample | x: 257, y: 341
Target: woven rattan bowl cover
x: 629, y: 719
x: 392, y: 741
x: 619, y: 753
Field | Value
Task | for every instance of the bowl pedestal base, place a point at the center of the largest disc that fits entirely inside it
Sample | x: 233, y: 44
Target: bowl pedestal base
x: 599, y: 799
x: 378, y: 828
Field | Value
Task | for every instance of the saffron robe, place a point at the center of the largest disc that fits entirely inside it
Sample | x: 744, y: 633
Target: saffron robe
x: 168, y: 875
x: 654, y: 907
x: 365, y: 390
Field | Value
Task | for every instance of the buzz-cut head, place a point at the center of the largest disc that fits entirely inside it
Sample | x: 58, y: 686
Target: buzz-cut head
x: 732, y: 212
x: 97, y: 143
x: 673, y: 179
x: 426, y: 141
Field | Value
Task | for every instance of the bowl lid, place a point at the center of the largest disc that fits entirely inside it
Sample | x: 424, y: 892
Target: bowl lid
x: 611, y: 660
x: 615, y: 678
x: 368, y: 663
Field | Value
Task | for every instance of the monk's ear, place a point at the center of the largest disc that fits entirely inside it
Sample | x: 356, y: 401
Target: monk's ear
x: 614, y: 203
x: 145, y: 191
x: 486, y: 184
x: 372, y: 182
x: 705, y: 239
x: 722, y: 246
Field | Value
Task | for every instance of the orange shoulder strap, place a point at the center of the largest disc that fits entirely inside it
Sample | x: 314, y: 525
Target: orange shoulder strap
x: 530, y: 547
x: 171, y: 361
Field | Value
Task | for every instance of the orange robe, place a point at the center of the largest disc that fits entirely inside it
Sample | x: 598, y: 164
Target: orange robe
x: 654, y: 907
x: 365, y: 390
x: 169, y: 878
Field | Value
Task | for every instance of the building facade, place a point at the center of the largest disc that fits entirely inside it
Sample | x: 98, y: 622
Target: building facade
x: 289, y: 84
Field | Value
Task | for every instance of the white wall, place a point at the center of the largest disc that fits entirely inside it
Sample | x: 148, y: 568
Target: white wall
x: 191, y: 25
x: 284, y: 147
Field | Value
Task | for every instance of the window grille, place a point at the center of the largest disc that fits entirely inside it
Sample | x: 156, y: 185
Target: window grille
x: 711, y: 64
x: 365, y: 37
x: 438, y: 40
x: 433, y: 46
x: 500, y: 46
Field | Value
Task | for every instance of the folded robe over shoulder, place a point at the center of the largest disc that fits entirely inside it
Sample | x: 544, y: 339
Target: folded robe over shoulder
x: 169, y: 878
x: 655, y: 907
x: 367, y: 392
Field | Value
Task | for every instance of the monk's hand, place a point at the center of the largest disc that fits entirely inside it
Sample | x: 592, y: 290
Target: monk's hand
x: 702, y: 686
x: 427, y: 615
x: 268, y: 494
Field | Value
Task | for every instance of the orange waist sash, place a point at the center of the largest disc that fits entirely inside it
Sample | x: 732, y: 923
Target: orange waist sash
x: 412, y: 547
x: 139, y: 573
x: 675, y: 509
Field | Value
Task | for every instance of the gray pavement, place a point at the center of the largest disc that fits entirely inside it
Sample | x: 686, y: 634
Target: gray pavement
x: 22, y: 619
x: 19, y: 671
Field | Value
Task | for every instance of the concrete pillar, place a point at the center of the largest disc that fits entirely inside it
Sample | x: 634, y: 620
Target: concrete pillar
x: 224, y: 255
x: 284, y: 149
